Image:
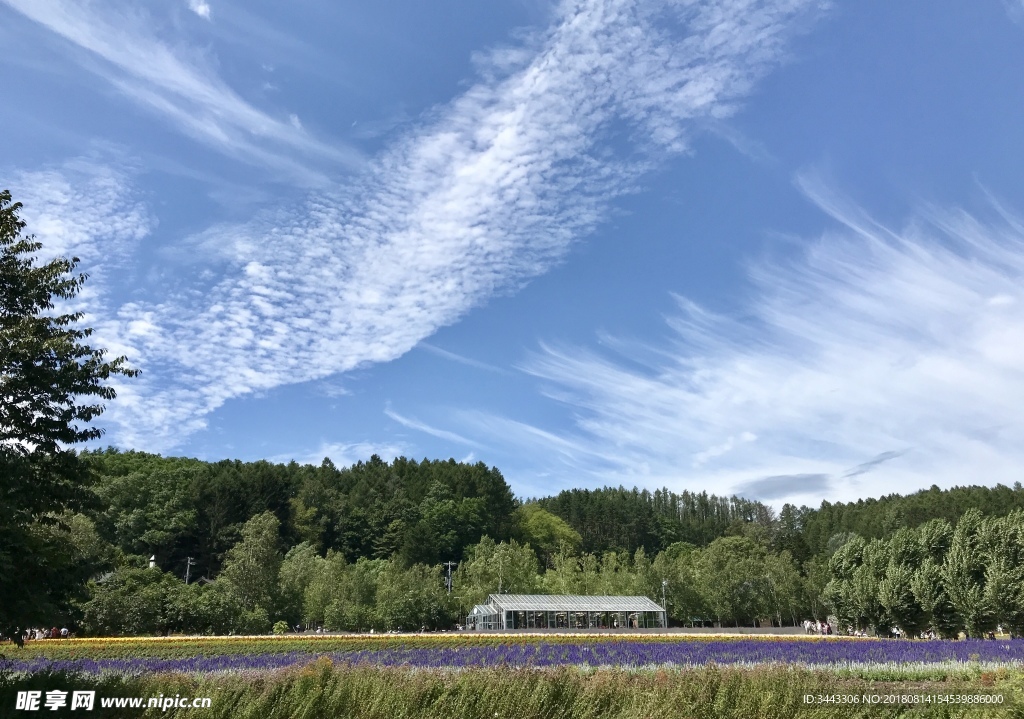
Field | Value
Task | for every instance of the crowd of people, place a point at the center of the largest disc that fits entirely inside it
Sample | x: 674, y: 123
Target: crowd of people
x: 817, y: 627
x: 52, y: 633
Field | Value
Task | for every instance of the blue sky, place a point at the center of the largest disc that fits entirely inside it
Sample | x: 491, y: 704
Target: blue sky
x: 765, y: 247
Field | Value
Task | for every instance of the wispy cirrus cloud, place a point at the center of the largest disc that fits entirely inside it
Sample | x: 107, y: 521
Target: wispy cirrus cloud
x: 428, y: 429
x: 461, y: 359
x: 875, y: 339
x: 180, y: 84
x: 484, y: 194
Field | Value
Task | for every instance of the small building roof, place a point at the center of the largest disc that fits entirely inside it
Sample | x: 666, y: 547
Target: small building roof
x: 483, y: 610
x: 571, y: 603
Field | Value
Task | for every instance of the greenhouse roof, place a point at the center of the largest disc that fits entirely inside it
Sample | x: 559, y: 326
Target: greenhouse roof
x: 571, y: 603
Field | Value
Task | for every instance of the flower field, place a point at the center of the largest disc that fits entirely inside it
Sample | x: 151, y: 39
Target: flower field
x: 192, y: 646
x: 487, y: 675
x: 474, y: 651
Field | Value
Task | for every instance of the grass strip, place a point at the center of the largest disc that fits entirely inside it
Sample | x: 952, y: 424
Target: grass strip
x: 322, y: 689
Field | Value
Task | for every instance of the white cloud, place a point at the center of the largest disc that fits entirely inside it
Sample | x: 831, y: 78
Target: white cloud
x: 83, y: 208
x: 346, y: 454
x: 427, y: 429
x: 179, y: 84
x: 884, y: 360
x: 200, y: 8
x: 334, y: 388
x: 461, y: 359
x: 573, y: 453
x: 488, y: 193
x: 720, y: 449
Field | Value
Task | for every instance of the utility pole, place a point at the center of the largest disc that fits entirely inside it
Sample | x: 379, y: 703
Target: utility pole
x: 448, y: 575
x: 188, y: 568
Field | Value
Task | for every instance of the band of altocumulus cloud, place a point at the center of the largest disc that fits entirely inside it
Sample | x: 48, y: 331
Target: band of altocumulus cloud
x: 485, y: 193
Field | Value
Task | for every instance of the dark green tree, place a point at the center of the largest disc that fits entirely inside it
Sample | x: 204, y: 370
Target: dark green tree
x: 1003, y: 548
x: 963, y: 574
x: 733, y: 581
x: 930, y: 591
x: 52, y: 386
x: 867, y: 579
x: 896, y: 593
x: 838, y: 593
x: 789, y: 535
x: 130, y: 602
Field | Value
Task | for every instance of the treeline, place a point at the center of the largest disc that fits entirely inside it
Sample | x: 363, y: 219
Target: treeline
x: 260, y: 589
x: 733, y: 580
x: 939, y: 577
x: 625, y: 520
x: 417, y: 512
x: 363, y: 547
x: 873, y: 518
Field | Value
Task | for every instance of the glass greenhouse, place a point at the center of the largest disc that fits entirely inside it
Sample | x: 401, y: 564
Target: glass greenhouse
x: 565, y: 611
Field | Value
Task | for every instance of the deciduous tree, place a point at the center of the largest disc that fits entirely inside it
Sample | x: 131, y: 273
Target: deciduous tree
x: 52, y: 386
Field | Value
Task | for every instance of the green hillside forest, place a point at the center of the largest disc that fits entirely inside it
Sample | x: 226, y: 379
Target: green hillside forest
x: 369, y: 546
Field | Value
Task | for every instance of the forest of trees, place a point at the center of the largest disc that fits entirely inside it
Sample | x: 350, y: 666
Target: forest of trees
x: 363, y: 547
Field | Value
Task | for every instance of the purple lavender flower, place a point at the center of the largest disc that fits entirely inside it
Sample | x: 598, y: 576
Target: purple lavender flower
x: 541, y: 653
